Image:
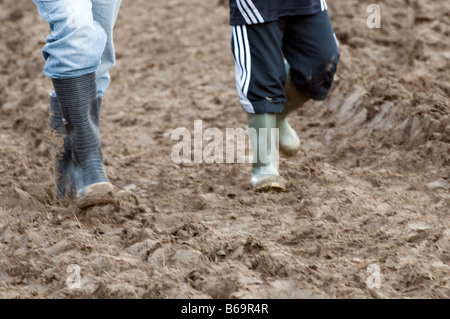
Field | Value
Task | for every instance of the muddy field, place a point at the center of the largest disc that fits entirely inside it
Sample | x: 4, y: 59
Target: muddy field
x: 370, y: 187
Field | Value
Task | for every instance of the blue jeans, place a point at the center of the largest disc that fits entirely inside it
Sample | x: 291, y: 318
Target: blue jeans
x: 81, y: 38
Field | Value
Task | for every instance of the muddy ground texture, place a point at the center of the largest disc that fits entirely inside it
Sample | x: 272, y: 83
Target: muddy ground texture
x: 370, y: 186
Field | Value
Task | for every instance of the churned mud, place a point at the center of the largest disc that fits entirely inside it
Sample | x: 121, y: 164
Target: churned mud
x: 369, y: 190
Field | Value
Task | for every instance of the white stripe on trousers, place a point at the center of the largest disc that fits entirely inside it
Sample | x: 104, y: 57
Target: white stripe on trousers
x: 255, y: 11
x: 244, y: 13
x: 242, y: 59
x: 249, y: 12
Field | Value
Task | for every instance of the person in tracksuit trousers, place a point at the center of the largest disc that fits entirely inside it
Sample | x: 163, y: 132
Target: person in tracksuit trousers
x: 78, y: 56
x: 285, y: 53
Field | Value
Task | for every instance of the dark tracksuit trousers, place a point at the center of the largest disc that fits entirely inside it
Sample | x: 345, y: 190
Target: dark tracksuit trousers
x: 302, y: 36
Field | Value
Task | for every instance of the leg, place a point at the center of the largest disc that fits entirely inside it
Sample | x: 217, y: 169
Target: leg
x: 77, y: 96
x: 310, y: 47
x: 72, y: 55
x: 105, y: 13
x: 76, y: 42
x: 260, y: 77
x: 289, y: 140
x: 259, y: 66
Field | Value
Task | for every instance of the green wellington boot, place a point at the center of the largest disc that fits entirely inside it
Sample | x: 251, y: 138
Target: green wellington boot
x: 289, y: 140
x: 264, y: 144
x: 79, y: 104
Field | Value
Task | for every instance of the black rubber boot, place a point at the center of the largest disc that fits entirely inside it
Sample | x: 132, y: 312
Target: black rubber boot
x: 61, y: 149
x: 61, y: 153
x: 79, y: 106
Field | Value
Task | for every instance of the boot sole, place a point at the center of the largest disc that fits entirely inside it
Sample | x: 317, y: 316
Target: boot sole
x: 96, y: 194
x: 274, y: 183
x: 289, y: 152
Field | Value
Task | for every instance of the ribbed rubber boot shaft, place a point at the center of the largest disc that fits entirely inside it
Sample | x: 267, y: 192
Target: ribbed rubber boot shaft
x: 61, y: 151
x: 56, y: 120
x: 77, y: 97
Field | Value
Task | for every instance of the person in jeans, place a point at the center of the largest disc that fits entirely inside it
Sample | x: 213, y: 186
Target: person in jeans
x: 78, y: 54
x: 285, y: 53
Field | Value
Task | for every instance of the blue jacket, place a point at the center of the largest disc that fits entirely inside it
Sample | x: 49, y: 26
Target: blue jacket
x: 260, y: 11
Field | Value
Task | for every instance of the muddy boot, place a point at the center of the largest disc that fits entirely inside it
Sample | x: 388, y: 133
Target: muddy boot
x: 61, y: 153
x: 77, y: 98
x: 263, y: 139
x: 61, y: 149
x: 289, y: 140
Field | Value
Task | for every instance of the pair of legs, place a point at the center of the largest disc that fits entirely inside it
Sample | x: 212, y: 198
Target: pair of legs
x: 269, y: 88
x: 78, y: 56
